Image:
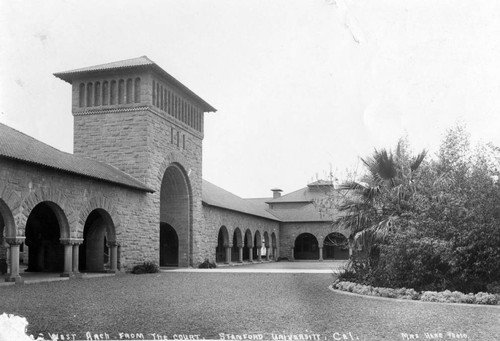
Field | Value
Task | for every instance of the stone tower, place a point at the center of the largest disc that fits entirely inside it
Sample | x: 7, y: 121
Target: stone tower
x: 136, y: 117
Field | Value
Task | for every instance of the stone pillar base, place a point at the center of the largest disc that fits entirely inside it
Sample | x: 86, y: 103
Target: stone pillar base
x: 69, y: 274
x: 18, y: 280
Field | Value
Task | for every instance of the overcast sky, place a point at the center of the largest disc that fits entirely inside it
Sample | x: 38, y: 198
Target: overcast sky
x: 301, y: 87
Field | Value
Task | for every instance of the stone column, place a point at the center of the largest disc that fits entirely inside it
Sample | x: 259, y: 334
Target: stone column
x: 250, y: 254
x: 321, y: 253
x: 293, y: 254
x: 228, y: 254
x: 113, y: 256
x: 76, y: 256
x: 68, y: 257
x: 14, y: 243
x: 267, y: 253
x: 240, y: 254
x: 259, y: 254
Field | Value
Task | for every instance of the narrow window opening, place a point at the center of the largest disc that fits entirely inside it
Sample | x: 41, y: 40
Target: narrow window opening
x: 129, y: 91
x: 121, y: 91
x: 89, y: 94
x: 97, y: 95
x: 105, y: 93
x: 81, y: 101
x: 113, y: 92
x: 154, y: 93
x: 137, y: 90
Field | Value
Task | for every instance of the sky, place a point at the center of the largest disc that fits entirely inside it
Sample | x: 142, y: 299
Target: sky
x: 301, y: 88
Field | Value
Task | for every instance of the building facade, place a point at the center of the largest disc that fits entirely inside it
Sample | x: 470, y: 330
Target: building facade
x: 132, y: 191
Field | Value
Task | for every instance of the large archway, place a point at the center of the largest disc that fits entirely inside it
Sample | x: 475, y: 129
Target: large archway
x: 306, y: 247
x: 222, y: 244
x: 44, y: 228
x: 336, y: 246
x: 175, y: 216
x: 237, y: 243
x: 98, y: 231
x: 169, y: 246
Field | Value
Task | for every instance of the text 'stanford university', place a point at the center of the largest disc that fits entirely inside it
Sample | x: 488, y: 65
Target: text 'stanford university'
x: 133, y: 189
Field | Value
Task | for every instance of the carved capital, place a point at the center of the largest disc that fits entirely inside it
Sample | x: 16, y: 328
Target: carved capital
x: 15, y: 240
x: 113, y: 243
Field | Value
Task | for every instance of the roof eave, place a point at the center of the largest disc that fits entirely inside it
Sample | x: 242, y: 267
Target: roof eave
x: 233, y: 210
x: 39, y: 164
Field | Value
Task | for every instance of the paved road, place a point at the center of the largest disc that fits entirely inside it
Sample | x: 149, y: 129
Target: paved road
x: 234, y: 304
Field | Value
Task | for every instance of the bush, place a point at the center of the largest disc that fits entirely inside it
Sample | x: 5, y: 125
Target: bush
x: 207, y: 265
x: 145, y: 268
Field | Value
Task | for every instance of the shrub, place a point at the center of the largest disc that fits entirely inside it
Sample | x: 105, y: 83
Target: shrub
x: 145, y: 268
x: 207, y: 265
x: 446, y: 296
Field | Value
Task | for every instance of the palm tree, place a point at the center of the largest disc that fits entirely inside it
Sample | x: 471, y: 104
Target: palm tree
x: 371, y: 208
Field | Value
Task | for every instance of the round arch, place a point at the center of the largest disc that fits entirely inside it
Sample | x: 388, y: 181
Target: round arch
x: 247, y: 244
x: 45, y: 227
x: 257, y: 243
x: 237, y: 243
x: 169, y: 246
x: 7, y: 229
x: 266, y: 247
x: 306, y: 247
x: 7, y: 224
x: 176, y: 212
x: 57, y: 202
x: 222, y: 244
x: 98, y: 232
x: 336, y: 246
x: 101, y: 204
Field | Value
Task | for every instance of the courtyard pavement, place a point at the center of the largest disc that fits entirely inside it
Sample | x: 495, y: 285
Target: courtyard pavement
x: 235, y: 305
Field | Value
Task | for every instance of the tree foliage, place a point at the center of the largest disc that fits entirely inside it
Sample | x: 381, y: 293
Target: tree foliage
x: 427, y: 224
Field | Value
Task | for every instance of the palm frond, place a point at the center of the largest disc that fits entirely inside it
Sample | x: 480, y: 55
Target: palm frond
x: 418, y: 160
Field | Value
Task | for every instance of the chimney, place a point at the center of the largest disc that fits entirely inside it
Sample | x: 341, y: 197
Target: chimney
x: 276, y: 192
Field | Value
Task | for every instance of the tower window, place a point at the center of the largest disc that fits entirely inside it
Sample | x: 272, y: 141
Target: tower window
x: 81, y: 100
x: 105, y: 93
x: 89, y: 94
x: 113, y: 92
x: 154, y: 93
x: 121, y: 91
x: 157, y: 95
x: 161, y: 97
x: 137, y: 90
x: 97, y: 94
x: 129, y: 91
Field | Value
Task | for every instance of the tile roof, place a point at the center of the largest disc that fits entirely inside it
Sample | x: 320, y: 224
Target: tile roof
x: 306, y: 194
x: 305, y: 213
x: 301, y: 206
x: 18, y: 146
x: 122, y: 64
x: 142, y: 63
x: 216, y: 196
